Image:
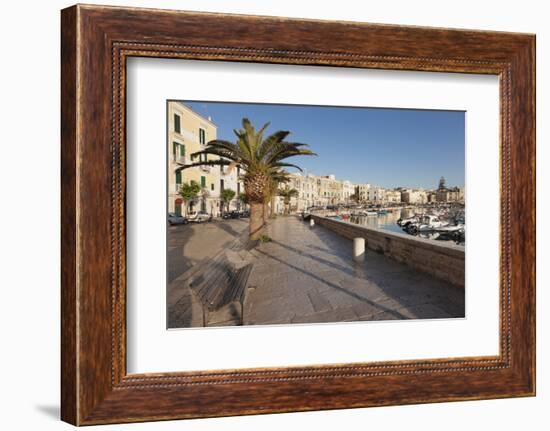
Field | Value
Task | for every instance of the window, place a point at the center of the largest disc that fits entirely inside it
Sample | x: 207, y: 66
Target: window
x: 178, y: 177
x: 212, y: 186
x: 178, y: 150
x: 222, y: 185
x: 203, y: 181
x: 202, y: 136
x: 177, y: 123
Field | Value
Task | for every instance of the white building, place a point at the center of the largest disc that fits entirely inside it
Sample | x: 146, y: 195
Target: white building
x: 363, y: 192
x: 348, y: 190
x: 376, y: 194
x: 414, y: 196
x: 393, y: 196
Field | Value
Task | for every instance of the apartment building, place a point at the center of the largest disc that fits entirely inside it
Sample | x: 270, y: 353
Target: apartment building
x: 376, y: 194
x: 330, y: 190
x: 411, y: 196
x: 188, y: 133
x: 393, y: 196
x: 363, y: 192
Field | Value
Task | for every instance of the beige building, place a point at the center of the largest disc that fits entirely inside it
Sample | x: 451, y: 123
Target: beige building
x: 393, y: 196
x: 449, y: 195
x: 363, y: 192
x: 414, y: 196
x: 432, y: 197
x: 316, y: 190
x: 330, y: 190
x: 189, y: 132
x: 376, y: 194
x: 307, y: 188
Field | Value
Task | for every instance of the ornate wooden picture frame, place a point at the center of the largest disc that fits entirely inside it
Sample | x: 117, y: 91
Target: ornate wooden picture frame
x: 96, y: 41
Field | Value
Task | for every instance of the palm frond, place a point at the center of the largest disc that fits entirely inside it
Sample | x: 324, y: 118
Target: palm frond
x: 283, y: 156
x: 271, y: 142
x: 287, y: 165
x: 220, y: 152
x: 219, y: 162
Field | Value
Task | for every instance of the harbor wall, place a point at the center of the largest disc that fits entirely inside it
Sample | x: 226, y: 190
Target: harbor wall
x: 442, y: 260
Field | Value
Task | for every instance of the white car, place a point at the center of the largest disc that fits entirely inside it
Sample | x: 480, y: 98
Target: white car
x: 199, y: 217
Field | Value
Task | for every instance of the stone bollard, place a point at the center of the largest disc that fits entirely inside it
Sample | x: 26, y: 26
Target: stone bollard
x: 311, y: 222
x: 359, y: 249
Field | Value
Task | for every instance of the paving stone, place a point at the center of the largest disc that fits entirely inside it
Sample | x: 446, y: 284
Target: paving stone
x: 307, y: 275
x: 318, y: 301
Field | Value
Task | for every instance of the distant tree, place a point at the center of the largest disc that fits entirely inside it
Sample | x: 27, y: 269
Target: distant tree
x: 189, y: 192
x: 227, y: 196
x: 287, y: 194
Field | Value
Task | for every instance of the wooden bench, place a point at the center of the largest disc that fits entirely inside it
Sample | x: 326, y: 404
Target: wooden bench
x: 219, y: 285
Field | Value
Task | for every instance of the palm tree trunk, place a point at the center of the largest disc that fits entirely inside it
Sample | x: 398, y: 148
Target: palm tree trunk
x: 265, y: 212
x: 256, y: 220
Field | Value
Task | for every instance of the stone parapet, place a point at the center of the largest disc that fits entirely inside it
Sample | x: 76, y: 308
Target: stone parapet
x: 442, y: 260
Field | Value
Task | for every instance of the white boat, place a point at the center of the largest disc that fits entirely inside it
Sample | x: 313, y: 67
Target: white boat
x: 450, y: 228
x: 429, y: 222
x: 406, y: 221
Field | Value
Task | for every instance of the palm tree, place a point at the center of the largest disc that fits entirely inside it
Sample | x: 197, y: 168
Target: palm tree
x: 261, y: 159
x: 287, y: 194
x: 243, y: 200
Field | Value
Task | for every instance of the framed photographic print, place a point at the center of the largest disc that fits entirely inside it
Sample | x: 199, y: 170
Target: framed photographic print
x: 286, y: 215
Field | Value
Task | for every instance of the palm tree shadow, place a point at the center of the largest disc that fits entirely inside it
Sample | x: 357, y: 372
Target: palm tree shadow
x: 229, y: 229
x: 354, y: 295
x: 346, y: 269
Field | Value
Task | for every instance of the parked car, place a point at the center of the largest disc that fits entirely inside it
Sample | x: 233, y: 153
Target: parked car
x: 235, y: 214
x: 174, y: 219
x: 231, y: 214
x: 199, y: 217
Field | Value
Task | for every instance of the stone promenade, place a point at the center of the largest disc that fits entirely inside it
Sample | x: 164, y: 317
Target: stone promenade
x: 307, y: 275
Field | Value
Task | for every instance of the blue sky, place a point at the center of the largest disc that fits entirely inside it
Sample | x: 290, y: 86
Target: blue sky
x: 386, y: 147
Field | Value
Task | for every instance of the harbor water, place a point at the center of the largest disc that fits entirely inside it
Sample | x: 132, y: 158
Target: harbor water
x: 388, y: 221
